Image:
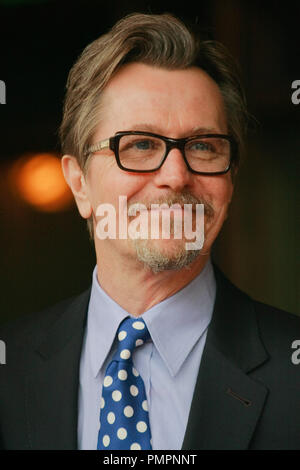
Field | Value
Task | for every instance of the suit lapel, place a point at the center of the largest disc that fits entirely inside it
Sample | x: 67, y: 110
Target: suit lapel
x: 225, y: 408
x: 227, y: 403
x: 52, y: 388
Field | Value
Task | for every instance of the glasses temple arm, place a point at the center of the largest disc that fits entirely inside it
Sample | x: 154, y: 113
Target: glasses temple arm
x: 103, y: 144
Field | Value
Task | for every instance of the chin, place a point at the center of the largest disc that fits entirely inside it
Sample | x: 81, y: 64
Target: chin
x: 164, y: 255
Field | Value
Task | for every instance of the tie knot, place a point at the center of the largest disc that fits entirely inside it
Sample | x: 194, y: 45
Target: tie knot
x: 131, y: 333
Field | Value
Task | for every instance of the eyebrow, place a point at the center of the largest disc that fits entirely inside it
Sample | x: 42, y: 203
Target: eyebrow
x: 156, y: 130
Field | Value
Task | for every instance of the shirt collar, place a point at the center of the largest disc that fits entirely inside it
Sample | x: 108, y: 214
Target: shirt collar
x: 178, y: 322
x: 175, y: 324
x: 104, y: 318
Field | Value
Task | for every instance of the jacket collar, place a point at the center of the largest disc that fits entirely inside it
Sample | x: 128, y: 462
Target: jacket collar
x: 51, y: 396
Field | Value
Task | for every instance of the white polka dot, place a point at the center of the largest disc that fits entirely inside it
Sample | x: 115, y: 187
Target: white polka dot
x: 128, y: 411
x: 138, y: 325
x: 135, y: 372
x: 125, y: 354
x: 116, y: 395
x: 135, y: 446
x: 111, y: 417
x: 106, y: 440
x: 102, y: 404
x: 145, y: 405
x: 122, y: 433
x: 122, y: 374
x: 139, y: 342
x: 107, y: 381
x: 141, y: 426
x: 134, y: 390
x: 122, y: 335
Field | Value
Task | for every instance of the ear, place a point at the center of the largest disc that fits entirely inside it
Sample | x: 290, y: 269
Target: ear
x: 76, y: 180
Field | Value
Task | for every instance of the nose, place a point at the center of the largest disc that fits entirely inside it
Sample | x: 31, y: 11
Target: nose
x: 174, y: 173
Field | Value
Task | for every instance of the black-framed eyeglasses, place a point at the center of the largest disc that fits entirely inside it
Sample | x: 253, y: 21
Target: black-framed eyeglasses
x: 145, y: 152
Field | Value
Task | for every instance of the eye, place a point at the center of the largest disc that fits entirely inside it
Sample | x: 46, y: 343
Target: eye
x: 200, y: 146
x: 138, y: 144
x: 143, y: 144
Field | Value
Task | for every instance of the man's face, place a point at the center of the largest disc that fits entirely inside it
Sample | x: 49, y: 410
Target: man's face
x: 177, y: 104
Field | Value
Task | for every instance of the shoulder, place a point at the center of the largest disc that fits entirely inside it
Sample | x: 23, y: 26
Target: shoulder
x: 276, y: 328
x: 267, y: 315
x: 30, y: 328
x: 274, y: 318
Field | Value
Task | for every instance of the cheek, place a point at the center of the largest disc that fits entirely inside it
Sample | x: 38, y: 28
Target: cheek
x: 107, y: 182
x: 217, y: 189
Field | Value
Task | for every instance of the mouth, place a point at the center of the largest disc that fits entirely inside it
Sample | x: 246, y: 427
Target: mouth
x: 172, y: 205
x: 164, y: 209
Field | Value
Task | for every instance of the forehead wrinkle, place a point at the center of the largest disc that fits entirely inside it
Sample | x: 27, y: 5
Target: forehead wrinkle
x: 163, y: 116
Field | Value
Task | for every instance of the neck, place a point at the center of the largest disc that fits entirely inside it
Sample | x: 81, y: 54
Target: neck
x: 137, y: 289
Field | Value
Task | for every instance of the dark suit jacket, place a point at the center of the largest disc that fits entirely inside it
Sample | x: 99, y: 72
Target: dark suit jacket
x: 247, y: 394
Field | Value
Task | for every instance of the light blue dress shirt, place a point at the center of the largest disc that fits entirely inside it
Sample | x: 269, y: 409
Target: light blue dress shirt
x: 168, y: 364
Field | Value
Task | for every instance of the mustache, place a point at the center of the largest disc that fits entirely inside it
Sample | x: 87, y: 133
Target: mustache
x: 181, y: 199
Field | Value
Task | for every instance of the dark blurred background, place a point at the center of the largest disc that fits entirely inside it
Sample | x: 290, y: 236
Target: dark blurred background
x: 46, y: 254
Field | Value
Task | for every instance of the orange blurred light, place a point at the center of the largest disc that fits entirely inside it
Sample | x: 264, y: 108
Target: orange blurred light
x: 40, y: 182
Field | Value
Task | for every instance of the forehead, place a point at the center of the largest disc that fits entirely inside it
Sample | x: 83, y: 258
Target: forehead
x: 173, y: 102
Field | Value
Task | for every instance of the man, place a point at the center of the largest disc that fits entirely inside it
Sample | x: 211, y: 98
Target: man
x: 152, y: 115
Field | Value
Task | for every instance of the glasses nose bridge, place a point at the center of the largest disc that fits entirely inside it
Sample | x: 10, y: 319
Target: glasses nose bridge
x: 175, y: 144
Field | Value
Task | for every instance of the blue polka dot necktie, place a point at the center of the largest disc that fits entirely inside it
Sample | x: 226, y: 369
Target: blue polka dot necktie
x: 124, y: 417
